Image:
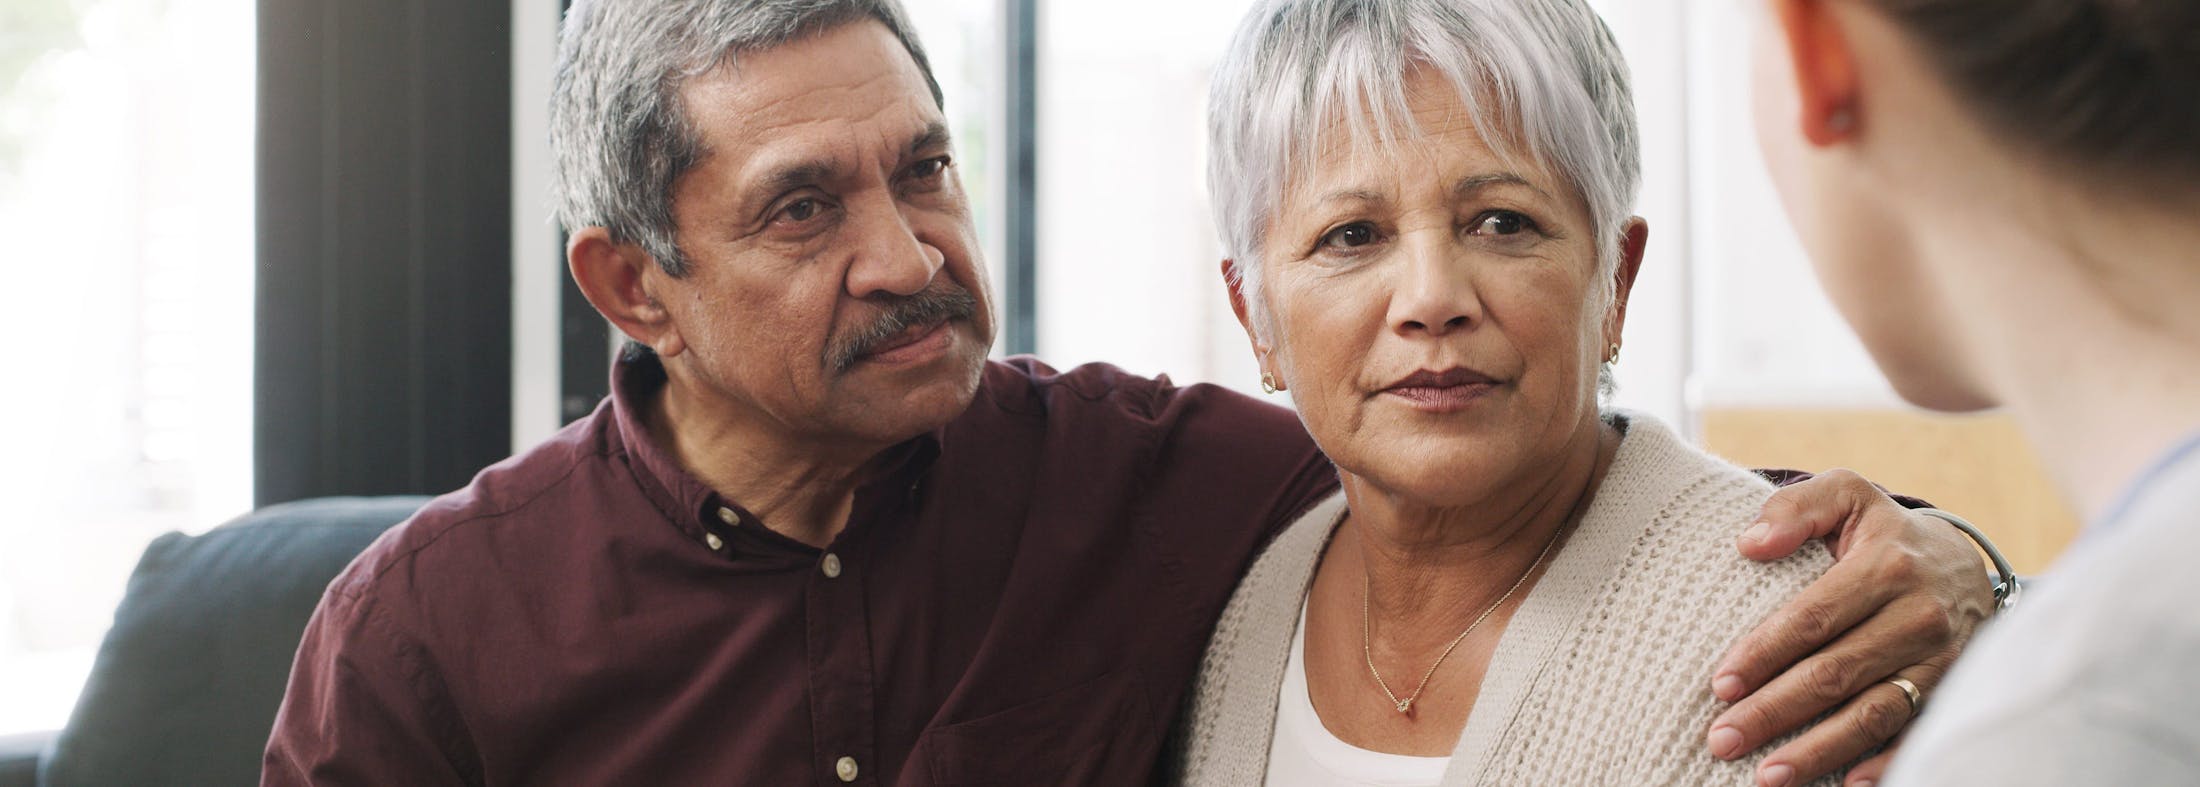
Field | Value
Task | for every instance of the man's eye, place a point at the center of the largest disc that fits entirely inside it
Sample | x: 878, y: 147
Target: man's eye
x: 1349, y: 236
x: 1501, y: 222
x: 929, y: 167
x: 800, y: 210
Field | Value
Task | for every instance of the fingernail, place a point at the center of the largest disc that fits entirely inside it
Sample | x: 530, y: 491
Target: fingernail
x: 1756, y: 533
x: 1776, y: 776
x: 1726, y: 742
x: 1727, y: 688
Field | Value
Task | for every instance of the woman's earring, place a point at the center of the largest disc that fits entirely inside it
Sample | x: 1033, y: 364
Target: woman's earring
x: 1268, y: 383
x: 1615, y: 354
x: 1841, y: 121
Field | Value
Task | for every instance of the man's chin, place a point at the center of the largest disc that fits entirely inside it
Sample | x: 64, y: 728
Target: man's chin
x: 921, y: 396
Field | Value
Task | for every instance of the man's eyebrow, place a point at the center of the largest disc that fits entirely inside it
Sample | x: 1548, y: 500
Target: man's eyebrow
x: 794, y: 175
x: 1473, y: 184
x: 933, y: 137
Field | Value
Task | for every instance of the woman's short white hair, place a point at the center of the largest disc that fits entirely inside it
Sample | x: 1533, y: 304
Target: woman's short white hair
x: 1541, y: 79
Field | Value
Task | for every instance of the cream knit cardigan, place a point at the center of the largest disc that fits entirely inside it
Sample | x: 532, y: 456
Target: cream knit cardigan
x: 1603, y: 675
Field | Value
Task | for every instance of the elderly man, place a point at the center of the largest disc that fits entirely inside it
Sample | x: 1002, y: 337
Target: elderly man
x: 814, y: 536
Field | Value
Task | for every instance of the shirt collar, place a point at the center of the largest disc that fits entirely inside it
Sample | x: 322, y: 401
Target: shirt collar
x: 697, y: 510
x: 2143, y: 485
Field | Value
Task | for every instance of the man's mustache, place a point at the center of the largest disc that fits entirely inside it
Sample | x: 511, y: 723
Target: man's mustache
x: 941, y: 301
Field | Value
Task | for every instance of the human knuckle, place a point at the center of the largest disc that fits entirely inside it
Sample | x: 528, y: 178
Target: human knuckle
x: 1878, y: 719
x: 1782, y: 506
x: 1931, y: 624
x: 1827, y: 677
x: 1899, y: 567
x: 1753, y: 717
x: 1814, y: 623
x: 1846, y: 478
x: 1806, y: 756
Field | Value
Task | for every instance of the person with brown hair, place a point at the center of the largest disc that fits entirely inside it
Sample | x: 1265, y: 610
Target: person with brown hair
x: 2003, y: 198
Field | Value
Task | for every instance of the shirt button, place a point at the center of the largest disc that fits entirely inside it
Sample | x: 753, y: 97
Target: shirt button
x: 831, y: 567
x: 727, y: 515
x: 714, y: 541
x: 845, y: 769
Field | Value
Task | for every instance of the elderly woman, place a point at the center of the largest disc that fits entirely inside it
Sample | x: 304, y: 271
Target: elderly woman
x: 2023, y: 176
x: 1427, y: 207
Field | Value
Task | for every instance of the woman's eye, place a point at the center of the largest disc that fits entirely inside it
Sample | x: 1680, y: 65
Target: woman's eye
x: 1349, y: 236
x: 1501, y: 222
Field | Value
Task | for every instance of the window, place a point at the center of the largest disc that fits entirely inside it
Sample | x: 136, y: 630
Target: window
x: 126, y: 195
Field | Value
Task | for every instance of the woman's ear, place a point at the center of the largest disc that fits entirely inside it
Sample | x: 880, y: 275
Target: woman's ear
x: 616, y: 278
x: 1633, y: 240
x: 1825, y: 70
x: 1233, y: 279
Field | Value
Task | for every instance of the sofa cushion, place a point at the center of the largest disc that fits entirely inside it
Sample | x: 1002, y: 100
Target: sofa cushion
x: 186, y: 684
x: 19, y: 758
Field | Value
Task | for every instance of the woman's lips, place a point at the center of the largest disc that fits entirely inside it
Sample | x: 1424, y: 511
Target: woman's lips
x: 1440, y: 398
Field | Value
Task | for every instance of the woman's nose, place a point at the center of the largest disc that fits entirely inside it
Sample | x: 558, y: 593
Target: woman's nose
x: 1435, y: 294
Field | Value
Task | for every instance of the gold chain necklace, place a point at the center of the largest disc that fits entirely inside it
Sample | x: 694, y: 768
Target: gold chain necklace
x: 1367, y: 627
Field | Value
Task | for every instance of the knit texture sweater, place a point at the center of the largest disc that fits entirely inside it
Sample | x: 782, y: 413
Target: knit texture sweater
x: 1602, y: 676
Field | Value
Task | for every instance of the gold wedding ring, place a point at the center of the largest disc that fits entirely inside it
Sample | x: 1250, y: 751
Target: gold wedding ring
x: 1909, y: 690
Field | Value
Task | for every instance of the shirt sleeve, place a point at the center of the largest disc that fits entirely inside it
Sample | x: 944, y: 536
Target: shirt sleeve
x: 2092, y: 743
x: 362, y: 707
x: 1236, y: 471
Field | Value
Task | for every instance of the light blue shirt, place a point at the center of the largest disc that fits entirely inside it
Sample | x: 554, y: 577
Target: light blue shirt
x: 2095, y: 678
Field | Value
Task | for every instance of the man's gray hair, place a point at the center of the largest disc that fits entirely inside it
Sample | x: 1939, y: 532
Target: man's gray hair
x: 1540, y: 79
x: 619, y: 133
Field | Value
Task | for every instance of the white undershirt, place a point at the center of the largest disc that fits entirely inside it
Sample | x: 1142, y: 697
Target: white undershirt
x: 1304, y: 753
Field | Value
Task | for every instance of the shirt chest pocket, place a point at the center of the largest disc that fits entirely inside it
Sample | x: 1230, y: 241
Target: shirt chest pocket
x: 1100, y: 731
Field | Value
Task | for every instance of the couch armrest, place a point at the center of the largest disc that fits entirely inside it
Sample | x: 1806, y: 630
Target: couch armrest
x: 19, y: 758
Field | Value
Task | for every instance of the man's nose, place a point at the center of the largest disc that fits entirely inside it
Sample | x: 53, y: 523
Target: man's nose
x: 889, y: 257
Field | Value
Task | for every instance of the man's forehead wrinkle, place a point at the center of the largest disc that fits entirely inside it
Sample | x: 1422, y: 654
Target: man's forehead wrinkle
x: 829, y: 152
x: 815, y: 146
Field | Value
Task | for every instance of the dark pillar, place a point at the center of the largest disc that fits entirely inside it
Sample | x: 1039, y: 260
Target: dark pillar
x: 383, y: 361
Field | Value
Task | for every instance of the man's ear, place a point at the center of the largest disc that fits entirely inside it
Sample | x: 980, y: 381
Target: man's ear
x: 1825, y: 70
x: 1233, y: 279
x: 617, y: 279
x: 1634, y: 240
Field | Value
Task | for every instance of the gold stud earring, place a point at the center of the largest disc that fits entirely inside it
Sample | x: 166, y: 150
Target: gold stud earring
x: 1615, y: 354
x: 1268, y: 383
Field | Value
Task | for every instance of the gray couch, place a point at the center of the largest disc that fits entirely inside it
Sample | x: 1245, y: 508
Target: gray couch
x: 186, y: 684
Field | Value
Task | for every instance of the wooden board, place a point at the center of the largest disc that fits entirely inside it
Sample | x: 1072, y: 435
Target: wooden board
x: 1977, y: 466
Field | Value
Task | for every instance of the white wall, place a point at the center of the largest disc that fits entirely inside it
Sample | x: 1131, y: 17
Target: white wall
x: 537, y: 278
x: 1766, y: 336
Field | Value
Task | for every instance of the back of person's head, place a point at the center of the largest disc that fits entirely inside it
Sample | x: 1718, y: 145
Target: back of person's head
x: 2112, y: 85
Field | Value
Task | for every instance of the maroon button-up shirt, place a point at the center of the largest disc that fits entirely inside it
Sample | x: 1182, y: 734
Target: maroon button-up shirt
x: 1022, y: 601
